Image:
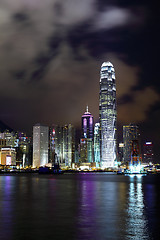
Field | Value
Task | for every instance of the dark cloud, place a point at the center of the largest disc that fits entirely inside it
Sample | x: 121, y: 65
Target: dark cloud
x: 58, y: 9
x: 21, y: 17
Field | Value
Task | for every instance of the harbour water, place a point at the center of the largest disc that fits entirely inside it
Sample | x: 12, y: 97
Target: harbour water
x: 92, y: 206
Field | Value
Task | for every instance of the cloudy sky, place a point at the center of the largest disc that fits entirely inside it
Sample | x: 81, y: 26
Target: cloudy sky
x: 50, y: 56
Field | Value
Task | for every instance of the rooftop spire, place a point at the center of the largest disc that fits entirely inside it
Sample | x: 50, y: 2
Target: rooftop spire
x: 87, y: 108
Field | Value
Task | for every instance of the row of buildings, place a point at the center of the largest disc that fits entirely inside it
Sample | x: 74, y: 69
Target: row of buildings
x: 57, y: 145
x: 97, y: 146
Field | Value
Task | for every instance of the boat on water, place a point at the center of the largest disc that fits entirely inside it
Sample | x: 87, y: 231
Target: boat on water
x: 47, y: 170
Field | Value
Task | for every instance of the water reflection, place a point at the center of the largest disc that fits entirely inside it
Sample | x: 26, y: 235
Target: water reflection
x: 101, y: 208
x: 86, y: 220
x: 82, y: 206
x: 6, y: 208
x: 137, y: 224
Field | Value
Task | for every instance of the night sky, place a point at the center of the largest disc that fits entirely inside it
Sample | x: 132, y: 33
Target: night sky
x: 50, y: 57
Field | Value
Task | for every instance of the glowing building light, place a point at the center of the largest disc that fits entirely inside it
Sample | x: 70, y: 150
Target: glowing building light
x: 107, y: 115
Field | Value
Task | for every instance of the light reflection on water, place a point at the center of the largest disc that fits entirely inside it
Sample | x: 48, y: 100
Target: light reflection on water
x: 137, y: 222
x: 80, y: 206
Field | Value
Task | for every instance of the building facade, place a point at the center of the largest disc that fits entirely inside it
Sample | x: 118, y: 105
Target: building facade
x: 86, y: 150
x: 62, y: 145
x: 97, y: 144
x: 86, y: 141
x: 148, y: 152
x: 68, y: 145
x: 40, y: 145
x: 130, y: 133
x: 87, y: 125
x: 8, y: 156
x: 107, y: 115
x: 56, y: 144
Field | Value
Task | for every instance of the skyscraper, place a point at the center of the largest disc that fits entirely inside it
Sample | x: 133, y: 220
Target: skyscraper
x: 56, y: 144
x: 86, y: 142
x: 130, y: 133
x: 148, y: 152
x: 40, y: 145
x: 107, y: 115
x: 97, y: 144
x: 87, y: 124
x: 68, y: 145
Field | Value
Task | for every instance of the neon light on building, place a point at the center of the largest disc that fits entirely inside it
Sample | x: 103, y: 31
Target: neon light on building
x: 108, y: 115
x: 87, y: 125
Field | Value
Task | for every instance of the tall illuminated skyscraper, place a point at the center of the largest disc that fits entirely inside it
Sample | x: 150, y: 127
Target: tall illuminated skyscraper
x: 40, y: 145
x: 107, y: 115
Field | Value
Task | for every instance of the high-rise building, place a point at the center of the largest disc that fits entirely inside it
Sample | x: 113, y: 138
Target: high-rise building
x: 62, y: 145
x: 23, y: 157
x: 86, y: 150
x: 130, y: 133
x: 68, y: 145
x: 107, y: 115
x: 56, y: 144
x: 148, y: 152
x: 86, y: 142
x: 40, y: 145
x: 87, y: 125
x: 10, y: 137
x: 120, y: 152
x: 97, y: 144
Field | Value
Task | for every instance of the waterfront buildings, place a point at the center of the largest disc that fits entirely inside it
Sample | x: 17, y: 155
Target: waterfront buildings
x: 107, y: 115
x: 62, y: 145
x: 86, y: 152
x: 56, y: 144
x: 148, y: 152
x: 24, y: 150
x: 8, y: 156
x: 130, y: 133
x: 68, y: 145
x: 40, y: 145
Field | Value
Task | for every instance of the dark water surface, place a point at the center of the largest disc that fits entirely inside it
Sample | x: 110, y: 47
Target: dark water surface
x: 79, y: 206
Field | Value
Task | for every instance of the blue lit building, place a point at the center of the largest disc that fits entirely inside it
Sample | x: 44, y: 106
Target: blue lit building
x: 107, y: 115
x: 97, y: 144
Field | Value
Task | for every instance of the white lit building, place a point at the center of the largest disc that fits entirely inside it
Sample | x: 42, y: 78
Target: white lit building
x: 107, y: 115
x: 40, y: 145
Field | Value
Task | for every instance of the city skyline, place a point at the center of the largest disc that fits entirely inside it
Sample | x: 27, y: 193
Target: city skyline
x: 49, y: 63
